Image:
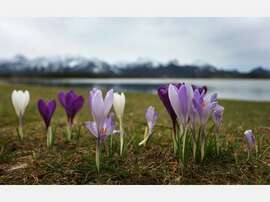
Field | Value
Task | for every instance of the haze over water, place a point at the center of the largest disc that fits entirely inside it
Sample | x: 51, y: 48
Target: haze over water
x: 237, y: 89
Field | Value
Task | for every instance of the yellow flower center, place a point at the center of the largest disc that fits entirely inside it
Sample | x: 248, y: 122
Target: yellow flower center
x: 103, y: 130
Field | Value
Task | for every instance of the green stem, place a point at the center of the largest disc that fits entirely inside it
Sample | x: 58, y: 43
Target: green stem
x: 179, y: 138
x: 217, y: 144
x: 194, y: 147
x: 49, y: 137
x: 111, y: 144
x: 202, y: 134
x: 145, y: 137
x: 174, y: 142
x: 256, y: 150
x: 184, y: 144
x: 121, y: 137
x: 248, y: 156
x: 20, y: 128
x: 97, y: 155
x: 69, y: 133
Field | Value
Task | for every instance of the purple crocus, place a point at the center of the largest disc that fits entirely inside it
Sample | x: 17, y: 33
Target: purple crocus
x: 46, y: 111
x: 203, y: 106
x: 181, y: 102
x: 151, y: 118
x: 107, y: 130
x: 163, y: 93
x: 202, y: 109
x: 100, y: 108
x: 72, y: 104
x: 102, y: 126
x: 217, y: 116
x: 164, y: 97
x: 201, y: 89
x: 250, y: 139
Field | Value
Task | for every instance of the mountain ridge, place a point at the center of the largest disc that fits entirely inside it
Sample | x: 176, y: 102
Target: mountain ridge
x: 21, y: 66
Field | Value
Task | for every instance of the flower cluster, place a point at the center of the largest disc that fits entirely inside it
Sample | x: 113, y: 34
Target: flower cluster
x: 190, y: 110
x: 189, y: 107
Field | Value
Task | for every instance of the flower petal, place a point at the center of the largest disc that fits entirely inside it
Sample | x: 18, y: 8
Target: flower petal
x: 78, y: 103
x: 119, y: 104
x: 14, y: 99
x: 151, y: 117
x: 184, y: 105
x: 98, y: 109
x: 90, y: 98
x: 92, y: 127
x: 26, y: 99
x: 108, y: 101
x: 174, y: 100
x: 46, y: 110
x: 250, y: 138
x: 62, y: 98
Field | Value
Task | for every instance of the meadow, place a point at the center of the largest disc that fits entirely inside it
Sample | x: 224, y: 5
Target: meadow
x: 30, y: 162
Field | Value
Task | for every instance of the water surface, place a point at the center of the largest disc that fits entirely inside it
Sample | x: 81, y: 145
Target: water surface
x: 238, y: 89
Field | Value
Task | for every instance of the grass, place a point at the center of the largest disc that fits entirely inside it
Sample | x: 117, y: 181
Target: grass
x: 29, y: 162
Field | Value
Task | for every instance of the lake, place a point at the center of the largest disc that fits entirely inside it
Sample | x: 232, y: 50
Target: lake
x: 238, y: 89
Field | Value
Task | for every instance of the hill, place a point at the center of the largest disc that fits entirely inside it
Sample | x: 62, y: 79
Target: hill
x: 20, y: 66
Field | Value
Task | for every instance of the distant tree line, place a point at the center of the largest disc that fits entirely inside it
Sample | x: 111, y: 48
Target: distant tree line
x: 20, y: 66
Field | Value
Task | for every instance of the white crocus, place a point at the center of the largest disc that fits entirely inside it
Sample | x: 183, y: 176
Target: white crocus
x: 119, y: 101
x: 20, y: 100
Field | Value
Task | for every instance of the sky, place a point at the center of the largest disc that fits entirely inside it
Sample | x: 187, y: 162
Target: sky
x: 227, y: 43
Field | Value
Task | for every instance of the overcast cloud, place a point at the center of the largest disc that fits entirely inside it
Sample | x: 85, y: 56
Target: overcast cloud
x: 229, y: 43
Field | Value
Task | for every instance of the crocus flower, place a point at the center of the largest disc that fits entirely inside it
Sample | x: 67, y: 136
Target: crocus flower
x: 102, y: 126
x: 217, y: 116
x: 91, y: 94
x: 251, y: 142
x: 250, y: 139
x: 164, y: 97
x: 107, y: 130
x: 72, y: 104
x: 163, y: 92
x: 46, y: 111
x: 203, y: 107
x: 181, y: 102
x: 201, y: 89
x: 119, y: 106
x: 151, y: 117
x: 20, y: 100
x: 100, y: 108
